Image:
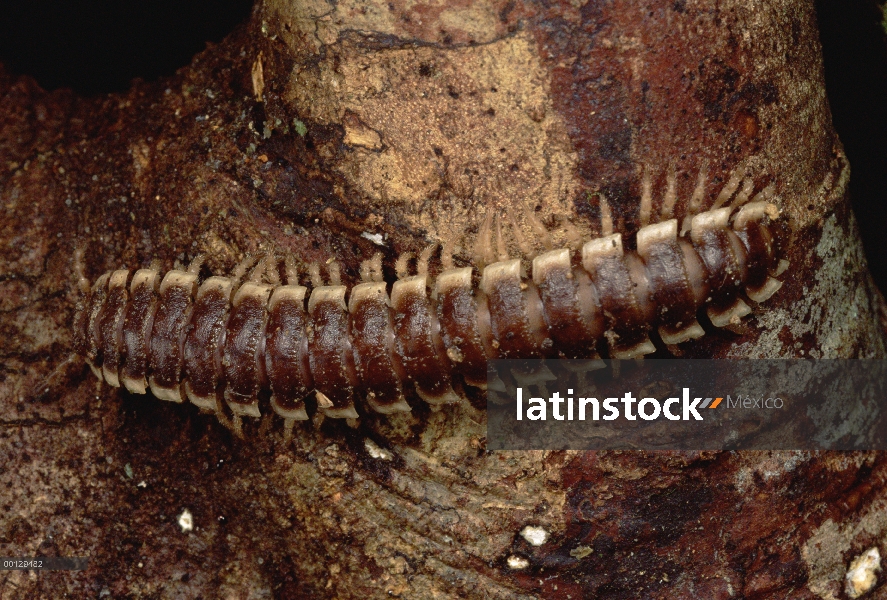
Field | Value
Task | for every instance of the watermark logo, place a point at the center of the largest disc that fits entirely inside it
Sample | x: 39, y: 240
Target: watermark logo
x: 590, y: 408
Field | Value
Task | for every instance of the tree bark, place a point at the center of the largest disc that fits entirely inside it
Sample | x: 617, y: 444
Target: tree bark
x: 315, y: 129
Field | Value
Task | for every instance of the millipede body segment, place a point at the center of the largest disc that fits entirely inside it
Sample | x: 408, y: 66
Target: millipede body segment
x: 223, y: 341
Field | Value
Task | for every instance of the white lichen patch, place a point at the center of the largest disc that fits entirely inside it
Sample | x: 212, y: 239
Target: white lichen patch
x: 375, y: 451
x: 768, y: 466
x: 186, y: 521
x: 376, y: 238
x: 535, y: 536
x: 824, y: 551
x: 829, y: 307
x: 863, y: 573
x: 517, y: 562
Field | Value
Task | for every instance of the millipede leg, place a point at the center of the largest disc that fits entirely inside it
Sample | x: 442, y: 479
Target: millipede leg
x: 80, y: 272
x: 446, y: 254
x: 730, y: 187
x: 522, y: 243
x: 402, y: 266
x: 766, y: 195
x: 335, y: 272
x: 671, y: 194
x: 222, y: 418
x: 541, y: 232
x: 314, y: 274
x: 748, y: 186
x: 425, y: 258
x: 272, y: 273
x: 365, y: 271
x: 240, y: 270
x: 237, y: 426
x: 57, y: 377
x: 574, y: 236
x: 501, y: 248
x: 196, y: 263
x: 291, y: 270
x: 606, y: 217
x: 376, y: 268
x: 646, y: 197
x: 483, y: 248
x: 288, y: 425
x: 257, y: 275
x: 696, y: 198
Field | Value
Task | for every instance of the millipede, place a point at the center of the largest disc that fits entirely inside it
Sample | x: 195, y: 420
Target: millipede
x: 222, y: 342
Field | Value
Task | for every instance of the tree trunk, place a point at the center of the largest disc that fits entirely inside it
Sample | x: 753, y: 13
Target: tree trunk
x: 336, y: 130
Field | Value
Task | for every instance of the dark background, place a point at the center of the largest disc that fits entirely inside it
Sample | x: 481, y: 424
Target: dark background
x: 97, y: 47
x: 855, y: 56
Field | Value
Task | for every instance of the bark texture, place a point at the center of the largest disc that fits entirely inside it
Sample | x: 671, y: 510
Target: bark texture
x: 317, y: 126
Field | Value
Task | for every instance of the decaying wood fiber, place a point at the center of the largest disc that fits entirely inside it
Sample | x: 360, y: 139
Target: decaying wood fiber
x: 316, y: 123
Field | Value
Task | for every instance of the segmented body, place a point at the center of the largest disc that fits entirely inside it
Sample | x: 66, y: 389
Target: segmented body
x: 222, y: 342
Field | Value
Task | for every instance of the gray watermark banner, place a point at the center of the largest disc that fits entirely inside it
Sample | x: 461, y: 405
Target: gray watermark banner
x: 670, y: 404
